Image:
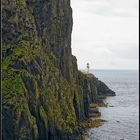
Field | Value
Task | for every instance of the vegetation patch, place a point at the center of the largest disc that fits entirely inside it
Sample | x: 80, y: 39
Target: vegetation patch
x: 92, y: 123
x: 94, y: 115
x: 98, y: 104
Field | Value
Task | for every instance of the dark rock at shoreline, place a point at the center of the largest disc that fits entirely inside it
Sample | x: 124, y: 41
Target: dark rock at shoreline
x: 103, y: 90
x: 94, y: 110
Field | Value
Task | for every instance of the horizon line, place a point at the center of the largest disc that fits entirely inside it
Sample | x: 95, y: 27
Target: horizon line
x: 113, y: 69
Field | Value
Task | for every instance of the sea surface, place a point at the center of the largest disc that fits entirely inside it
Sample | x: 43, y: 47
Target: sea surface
x: 123, y: 115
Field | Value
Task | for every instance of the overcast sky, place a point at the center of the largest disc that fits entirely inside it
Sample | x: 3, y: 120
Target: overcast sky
x: 105, y: 33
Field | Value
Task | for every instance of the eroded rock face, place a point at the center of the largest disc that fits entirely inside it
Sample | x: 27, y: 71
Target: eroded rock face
x: 44, y: 94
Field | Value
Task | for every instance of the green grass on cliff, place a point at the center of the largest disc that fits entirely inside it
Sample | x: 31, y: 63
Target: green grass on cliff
x: 12, y: 88
x: 60, y: 112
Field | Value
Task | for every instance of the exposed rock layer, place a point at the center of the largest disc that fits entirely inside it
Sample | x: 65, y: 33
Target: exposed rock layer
x: 44, y: 94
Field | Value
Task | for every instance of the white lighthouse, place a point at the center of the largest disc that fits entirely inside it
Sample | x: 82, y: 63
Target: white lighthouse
x: 88, y: 67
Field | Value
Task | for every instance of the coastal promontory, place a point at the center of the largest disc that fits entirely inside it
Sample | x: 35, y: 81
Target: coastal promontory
x: 44, y: 95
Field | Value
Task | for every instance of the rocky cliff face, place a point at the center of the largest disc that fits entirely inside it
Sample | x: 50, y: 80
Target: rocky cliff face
x: 44, y: 95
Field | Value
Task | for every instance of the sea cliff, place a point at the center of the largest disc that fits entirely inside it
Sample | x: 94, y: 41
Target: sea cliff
x: 44, y: 95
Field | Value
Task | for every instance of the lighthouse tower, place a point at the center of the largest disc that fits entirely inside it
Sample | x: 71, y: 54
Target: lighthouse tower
x: 87, y: 67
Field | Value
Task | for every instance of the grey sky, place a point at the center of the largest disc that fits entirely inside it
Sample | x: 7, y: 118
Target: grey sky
x: 105, y: 33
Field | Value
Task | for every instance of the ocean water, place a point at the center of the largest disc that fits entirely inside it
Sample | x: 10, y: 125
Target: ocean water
x: 123, y: 117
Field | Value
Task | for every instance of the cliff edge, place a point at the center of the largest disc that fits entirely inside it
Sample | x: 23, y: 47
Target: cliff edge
x: 44, y: 96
